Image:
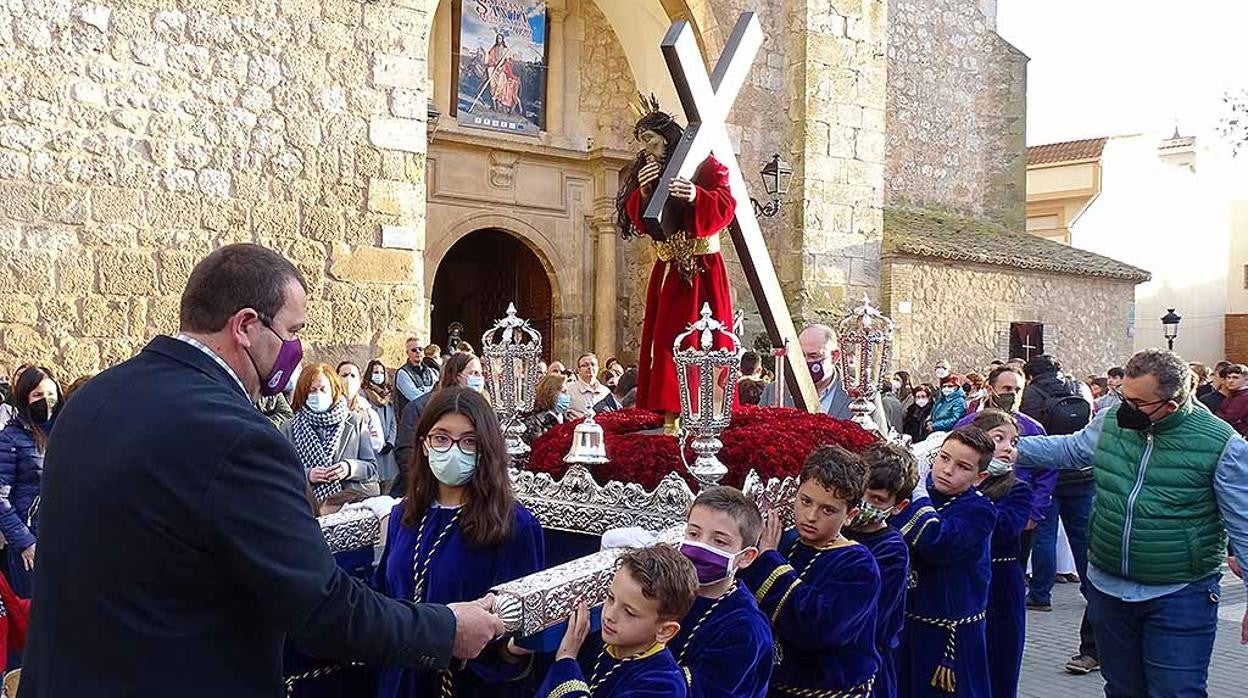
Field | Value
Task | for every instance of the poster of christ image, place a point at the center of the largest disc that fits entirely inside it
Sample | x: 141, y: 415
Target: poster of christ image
x: 502, y: 65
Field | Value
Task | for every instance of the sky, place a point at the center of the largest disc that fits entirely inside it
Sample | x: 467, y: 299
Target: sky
x: 1118, y: 67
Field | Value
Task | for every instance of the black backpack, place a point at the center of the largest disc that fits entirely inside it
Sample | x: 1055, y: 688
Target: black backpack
x: 1064, y: 412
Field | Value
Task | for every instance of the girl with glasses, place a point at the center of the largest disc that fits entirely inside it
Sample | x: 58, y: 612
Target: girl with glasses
x: 458, y: 532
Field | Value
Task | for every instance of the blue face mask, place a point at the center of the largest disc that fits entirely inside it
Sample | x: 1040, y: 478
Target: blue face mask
x: 318, y: 402
x: 475, y: 383
x: 562, y: 402
x: 453, y: 467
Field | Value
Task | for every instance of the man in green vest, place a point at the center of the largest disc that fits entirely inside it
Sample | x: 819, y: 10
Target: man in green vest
x: 1171, y: 484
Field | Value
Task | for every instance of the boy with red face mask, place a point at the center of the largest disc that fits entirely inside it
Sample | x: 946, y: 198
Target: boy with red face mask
x: 818, y: 587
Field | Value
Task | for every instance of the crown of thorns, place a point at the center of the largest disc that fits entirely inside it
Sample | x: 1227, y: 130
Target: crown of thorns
x: 646, y: 106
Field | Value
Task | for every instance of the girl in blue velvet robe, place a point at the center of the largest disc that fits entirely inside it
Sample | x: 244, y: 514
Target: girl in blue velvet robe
x: 949, y: 534
x: 458, y: 532
x: 1007, y: 614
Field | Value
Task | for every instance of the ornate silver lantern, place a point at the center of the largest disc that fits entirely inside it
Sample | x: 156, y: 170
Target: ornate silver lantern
x: 511, y: 352
x: 866, y: 341
x: 713, y: 374
x: 589, y: 446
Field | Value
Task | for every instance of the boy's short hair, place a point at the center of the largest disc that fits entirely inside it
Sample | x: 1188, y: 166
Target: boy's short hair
x: 664, y: 574
x: 1116, y: 372
x: 837, y: 470
x: 732, y: 502
x: 890, y: 468
x: 977, y: 439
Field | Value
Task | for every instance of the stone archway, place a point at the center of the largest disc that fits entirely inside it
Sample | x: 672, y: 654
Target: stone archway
x: 479, y: 276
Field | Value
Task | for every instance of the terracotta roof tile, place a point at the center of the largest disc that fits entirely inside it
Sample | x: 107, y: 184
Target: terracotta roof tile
x: 923, y: 233
x: 1088, y: 149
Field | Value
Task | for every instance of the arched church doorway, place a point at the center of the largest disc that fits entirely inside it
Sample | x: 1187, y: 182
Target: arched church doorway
x: 481, y: 273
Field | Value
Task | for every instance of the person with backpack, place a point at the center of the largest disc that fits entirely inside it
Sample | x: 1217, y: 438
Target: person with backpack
x: 1058, y: 402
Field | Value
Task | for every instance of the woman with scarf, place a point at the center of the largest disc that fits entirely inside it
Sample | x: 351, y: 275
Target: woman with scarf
x: 1006, y: 623
x: 332, y: 442
x: 377, y: 391
x: 23, y: 441
x: 915, y: 424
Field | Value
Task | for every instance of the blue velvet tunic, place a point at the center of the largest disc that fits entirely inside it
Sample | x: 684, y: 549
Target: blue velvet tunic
x: 822, y: 607
x: 727, y: 653
x: 892, y: 556
x: 456, y: 572
x: 653, y: 674
x: 1007, y: 613
x: 949, y: 540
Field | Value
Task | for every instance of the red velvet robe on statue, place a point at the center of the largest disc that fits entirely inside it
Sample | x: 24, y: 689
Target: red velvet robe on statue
x: 672, y: 302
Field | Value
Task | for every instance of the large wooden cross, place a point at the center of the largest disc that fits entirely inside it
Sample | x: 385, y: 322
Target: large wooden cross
x: 706, y: 100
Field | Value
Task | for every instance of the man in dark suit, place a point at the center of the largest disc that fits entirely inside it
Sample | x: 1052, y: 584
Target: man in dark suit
x: 177, y: 549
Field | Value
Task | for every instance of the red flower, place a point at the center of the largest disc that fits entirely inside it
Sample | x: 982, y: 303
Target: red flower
x: 773, y: 441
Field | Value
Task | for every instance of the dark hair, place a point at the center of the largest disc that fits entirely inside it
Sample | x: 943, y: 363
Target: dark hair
x: 451, y: 368
x: 1235, y: 368
x: 75, y: 387
x: 1041, y: 365
x: 837, y: 470
x: 999, y: 371
x: 489, y: 503
x: 346, y: 363
x: 978, y: 440
x: 18, y: 398
x: 378, y: 395
x: 232, y: 278
x: 664, y: 125
x: 906, y: 388
x: 1116, y: 372
x: 664, y: 574
x: 1201, y: 370
x: 927, y: 388
x: 627, y: 382
x: 749, y: 362
x: 890, y: 468
x: 1217, y: 368
x: 740, y: 509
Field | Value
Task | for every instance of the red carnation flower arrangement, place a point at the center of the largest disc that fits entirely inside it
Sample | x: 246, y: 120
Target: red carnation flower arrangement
x: 774, y: 441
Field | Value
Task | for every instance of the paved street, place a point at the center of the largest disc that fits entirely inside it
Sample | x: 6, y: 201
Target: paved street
x: 1053, y: 637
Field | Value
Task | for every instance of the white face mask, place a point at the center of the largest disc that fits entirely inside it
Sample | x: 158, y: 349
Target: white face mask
x: 948, y: 390
x: 999, y: 467
x: 379, y: 378
x: 319, y: 402
x: 896, y: 386
x: 921, y: 401
x: 353, y: 386
x: 476, y: 383
x: 942, y: 372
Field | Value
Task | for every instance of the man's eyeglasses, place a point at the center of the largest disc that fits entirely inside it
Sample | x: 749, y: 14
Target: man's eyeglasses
x: 1136, y: 404
x: 443, y: 442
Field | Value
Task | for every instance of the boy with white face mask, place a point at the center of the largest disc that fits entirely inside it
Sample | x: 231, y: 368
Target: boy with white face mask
x: 892, y: 474
x: 725, y: 642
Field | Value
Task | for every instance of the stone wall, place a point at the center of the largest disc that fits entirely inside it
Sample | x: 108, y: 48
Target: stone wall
x: 137, y: 136
x: 962, y: 313
x: 956, y: 111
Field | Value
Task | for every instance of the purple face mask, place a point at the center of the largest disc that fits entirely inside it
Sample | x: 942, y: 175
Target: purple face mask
x: 712, y: 564
x: 288, y: 357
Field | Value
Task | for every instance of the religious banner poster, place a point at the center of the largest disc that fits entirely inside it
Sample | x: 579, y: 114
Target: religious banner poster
x: 502, y: 65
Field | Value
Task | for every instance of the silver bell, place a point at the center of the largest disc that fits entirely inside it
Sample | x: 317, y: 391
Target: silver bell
x: 588, y: 444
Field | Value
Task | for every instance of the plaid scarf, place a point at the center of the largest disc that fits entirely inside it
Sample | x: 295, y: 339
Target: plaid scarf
x: 316, y: 436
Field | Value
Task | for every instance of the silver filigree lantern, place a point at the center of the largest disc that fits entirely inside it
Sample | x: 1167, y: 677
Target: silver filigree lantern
x: 866, y: 341
x: 589, y: 444
x: 511, y: 352
x: 713, y: 374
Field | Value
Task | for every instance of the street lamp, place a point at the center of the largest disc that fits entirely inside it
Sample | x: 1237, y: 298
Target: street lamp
x: 777, y: 175
x: 1170, y: 327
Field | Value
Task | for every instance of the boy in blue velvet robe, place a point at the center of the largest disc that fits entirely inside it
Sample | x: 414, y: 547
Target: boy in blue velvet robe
x: 652, y: 591
x: 724, y: 643
x: 819, y: 588
x: 949, y: 532
x: 1006, y: 625
x: 892, y: 474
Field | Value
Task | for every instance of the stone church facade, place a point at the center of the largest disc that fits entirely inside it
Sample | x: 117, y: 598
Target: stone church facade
x: 137, y: 136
